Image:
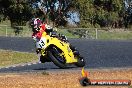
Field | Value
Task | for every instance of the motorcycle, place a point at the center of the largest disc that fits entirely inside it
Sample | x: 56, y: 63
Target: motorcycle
x: 53, y: 49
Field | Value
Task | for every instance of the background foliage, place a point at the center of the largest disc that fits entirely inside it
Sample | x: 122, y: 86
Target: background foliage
x: 90, y: 13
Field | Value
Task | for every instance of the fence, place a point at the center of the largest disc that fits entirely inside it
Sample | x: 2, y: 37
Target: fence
x: 18, y: 31
x: 101, y: 33
x: 89, y: 33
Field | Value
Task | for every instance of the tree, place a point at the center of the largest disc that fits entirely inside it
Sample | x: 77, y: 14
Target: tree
x: 18, y: 11
x: 54, y: 10
x: 90, y: 13
x: 128, y: 13
x: 100, y: 12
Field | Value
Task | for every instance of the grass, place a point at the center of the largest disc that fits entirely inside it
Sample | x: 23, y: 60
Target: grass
x: 8, y: 57
x: 67, y: 34
x: 125, y: 35
x: 6, y: 29
x: 111, y: 35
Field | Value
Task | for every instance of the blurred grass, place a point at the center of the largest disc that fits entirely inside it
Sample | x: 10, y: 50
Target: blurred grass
x: 8, y: 57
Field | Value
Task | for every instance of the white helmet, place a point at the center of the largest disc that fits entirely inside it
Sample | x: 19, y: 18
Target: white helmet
x: 35, y: 24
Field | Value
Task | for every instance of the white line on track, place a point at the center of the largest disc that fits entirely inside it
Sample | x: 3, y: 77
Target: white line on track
x: 17, y: 65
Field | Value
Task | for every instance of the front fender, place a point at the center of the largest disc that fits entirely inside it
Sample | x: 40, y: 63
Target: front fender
x: 48, y: 48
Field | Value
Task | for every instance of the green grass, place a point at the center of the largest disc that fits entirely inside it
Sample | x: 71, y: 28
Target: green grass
x: 110, y: 35
x: 8, y: 57
x: 67, y: 34
x: 7, y: 30
x: 115, y: 35
x: 6, y: 27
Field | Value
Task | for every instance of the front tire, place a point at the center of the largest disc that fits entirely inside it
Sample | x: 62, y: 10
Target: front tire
x: 56, y: 58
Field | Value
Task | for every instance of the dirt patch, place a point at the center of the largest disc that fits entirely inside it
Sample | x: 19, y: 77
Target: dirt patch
x: 60, y: 79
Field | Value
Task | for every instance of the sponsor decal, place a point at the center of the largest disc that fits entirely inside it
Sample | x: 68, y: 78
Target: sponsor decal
x: 85, y: 81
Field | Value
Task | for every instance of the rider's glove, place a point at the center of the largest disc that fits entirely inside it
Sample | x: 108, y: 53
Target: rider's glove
x: 64, y: 37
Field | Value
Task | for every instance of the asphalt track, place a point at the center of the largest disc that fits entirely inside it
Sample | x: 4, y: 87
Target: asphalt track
x: 97, y: 53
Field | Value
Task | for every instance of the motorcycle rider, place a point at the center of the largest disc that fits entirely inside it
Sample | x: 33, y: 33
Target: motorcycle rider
x: 38, y: 28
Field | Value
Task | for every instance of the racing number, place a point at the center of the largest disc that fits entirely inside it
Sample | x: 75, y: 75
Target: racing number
x: 41, y: 44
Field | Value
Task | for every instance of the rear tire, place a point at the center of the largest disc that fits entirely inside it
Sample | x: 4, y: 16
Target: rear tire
x: 56, y: 58
x: 80, y: 61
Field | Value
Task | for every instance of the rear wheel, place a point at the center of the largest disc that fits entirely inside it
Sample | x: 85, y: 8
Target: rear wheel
x: 57, y: 58
x: 80, y: 61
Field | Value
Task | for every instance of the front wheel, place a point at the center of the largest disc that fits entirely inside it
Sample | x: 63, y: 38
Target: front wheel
x: 57, y: 58
x: 80, y: 61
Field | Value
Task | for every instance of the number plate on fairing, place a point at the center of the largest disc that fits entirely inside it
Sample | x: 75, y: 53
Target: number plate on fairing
x: 41, y: 43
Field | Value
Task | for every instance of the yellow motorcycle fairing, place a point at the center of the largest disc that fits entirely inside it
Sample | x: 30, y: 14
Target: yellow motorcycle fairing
x: 63, y: 46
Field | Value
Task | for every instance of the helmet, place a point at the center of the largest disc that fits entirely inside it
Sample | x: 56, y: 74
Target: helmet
x: 35, y: 24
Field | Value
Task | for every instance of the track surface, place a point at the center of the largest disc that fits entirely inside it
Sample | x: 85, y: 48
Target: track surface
x: 98, y: 53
